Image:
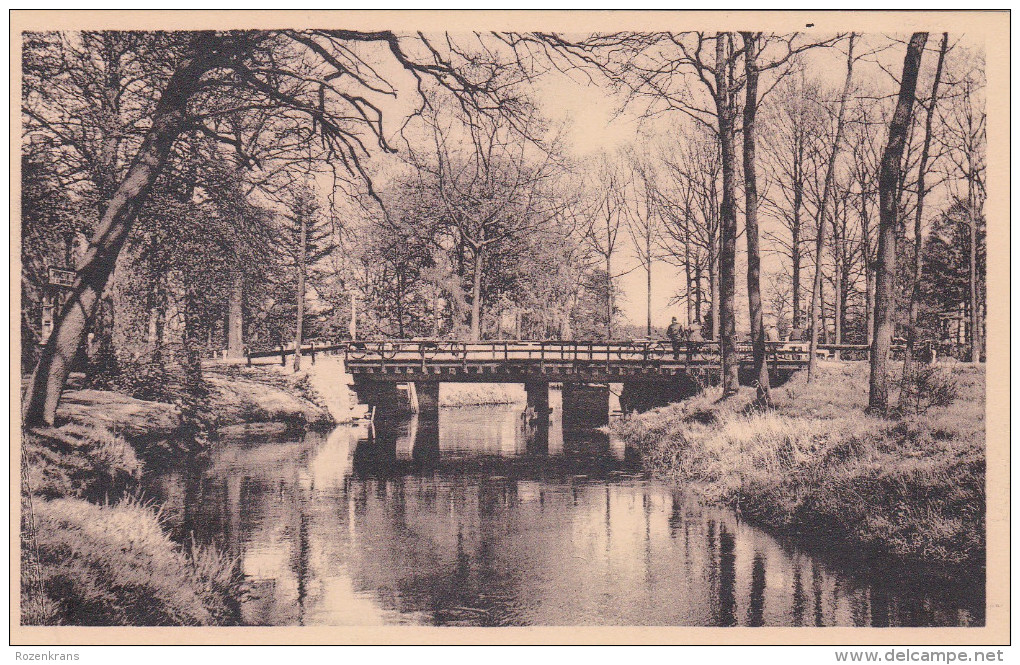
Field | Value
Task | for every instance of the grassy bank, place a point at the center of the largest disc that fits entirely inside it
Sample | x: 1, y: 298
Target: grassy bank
x: 103, y: 565
x: 910, y: 487
x: 480, y: 394
x: 91, y: 553
x: 239, y: 395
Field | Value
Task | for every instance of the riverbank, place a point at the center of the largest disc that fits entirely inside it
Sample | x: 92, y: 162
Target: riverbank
x: 480, y: 394
x: 908, y: 488
x: 93, y: 553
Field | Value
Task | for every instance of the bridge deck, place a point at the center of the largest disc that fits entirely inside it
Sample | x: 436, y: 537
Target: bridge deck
x: 519, y: 361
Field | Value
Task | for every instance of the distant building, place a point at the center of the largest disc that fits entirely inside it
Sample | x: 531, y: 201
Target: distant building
x: 954, y: 330
x: 954, y: 326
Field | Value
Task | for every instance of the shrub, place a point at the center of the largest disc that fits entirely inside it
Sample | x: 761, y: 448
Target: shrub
x: 926, y: 387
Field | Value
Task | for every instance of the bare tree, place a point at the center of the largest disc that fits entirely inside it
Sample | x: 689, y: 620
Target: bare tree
x: 816, y: 288
x: 864, y: 166
x: 609, y: 209
x: 496, y: 189
x: 964, y: 141
x: 889, y: 180
x: 688, y: 195
x: 643, y: 222
x: 922, y: 168
x: 314, y: 74
x: 793, y: 131
x: 761, y: 370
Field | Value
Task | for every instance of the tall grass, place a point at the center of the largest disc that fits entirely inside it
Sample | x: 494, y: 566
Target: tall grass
x: 90, y: 557
x: 912, y: 486
x: 114, y: 565
x: 78, y: 460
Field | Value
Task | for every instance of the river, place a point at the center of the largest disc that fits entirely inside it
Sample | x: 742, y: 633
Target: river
x: 482, y: 520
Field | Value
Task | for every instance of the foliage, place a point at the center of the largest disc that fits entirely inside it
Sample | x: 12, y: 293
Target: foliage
x: 52, y: 222
x: 927, y: 387
x: 945, y: 281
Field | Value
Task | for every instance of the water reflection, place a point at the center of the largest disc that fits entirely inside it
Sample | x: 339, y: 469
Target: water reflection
x: 486, y: 519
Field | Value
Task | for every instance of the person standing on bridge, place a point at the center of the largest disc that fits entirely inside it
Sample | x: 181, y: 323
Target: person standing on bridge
x: 677, y: 335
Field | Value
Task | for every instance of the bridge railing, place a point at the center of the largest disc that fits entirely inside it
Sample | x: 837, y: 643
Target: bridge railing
x: 510, y: 351
x: 590, y: 351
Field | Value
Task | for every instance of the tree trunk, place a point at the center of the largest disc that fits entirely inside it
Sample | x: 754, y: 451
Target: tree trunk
x: 869, y: 280
x: 915, y: 290
x: 235, y: 316
x: 728, y: 219
x: 713, y: 285
x: 823, y: 324
x: 837, y: 303
x: 975, y: 320
x: 301, y: 267
x: 688, y: 273
x: 816, y: 287
x: 761, y: 369
x: 698, y: 299
x: 795, y: 259
x: 69, y: 331
x: 476, y: 295
x: 609, y: 296
x: 795, y: 228
x: 648, y: 293
x: 885, y: 277
x: 435, y: 314
x: 352, y: 326
x: 400, y: 304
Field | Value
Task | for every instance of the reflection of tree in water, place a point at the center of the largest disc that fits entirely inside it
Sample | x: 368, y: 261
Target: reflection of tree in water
x: 713, y: 570
x: 816, y: 587
x: 874, y: 590
x: 727, y: 578
x: 477, y: 585
x: 469, y: 540
x: 756, y: 609
x: 799, y: 600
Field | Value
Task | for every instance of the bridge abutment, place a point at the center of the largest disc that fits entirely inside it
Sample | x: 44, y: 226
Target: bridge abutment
x: 585, y: 405
x: 538, y: 399
x: 428, y: 399
x: 388, y: 399
x: 649, y: 394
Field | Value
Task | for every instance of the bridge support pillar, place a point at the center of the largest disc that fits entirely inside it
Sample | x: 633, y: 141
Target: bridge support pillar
x: 536, y: 437
x: 645, y: 395
x: 428, y: 399
x: 585, y: 406
x: 386, y: 398
x: 538, y: 400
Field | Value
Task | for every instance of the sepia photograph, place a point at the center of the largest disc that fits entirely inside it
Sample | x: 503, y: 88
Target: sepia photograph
x: 336, y: 322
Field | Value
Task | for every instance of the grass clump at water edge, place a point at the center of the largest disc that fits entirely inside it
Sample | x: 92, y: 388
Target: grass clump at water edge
x: 910, y: 486
x: 88, y: 564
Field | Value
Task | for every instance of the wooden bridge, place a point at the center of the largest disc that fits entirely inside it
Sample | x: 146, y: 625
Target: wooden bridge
x: 553, y: 361
x: 514, y: 361
x: 651, y: 372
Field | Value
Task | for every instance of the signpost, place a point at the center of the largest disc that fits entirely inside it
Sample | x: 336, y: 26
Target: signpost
x: 58, y: 282
x: 62, y: 278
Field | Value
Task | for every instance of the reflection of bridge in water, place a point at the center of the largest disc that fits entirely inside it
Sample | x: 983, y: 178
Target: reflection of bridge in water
x: 650, y: 372
x: 519, y: 448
